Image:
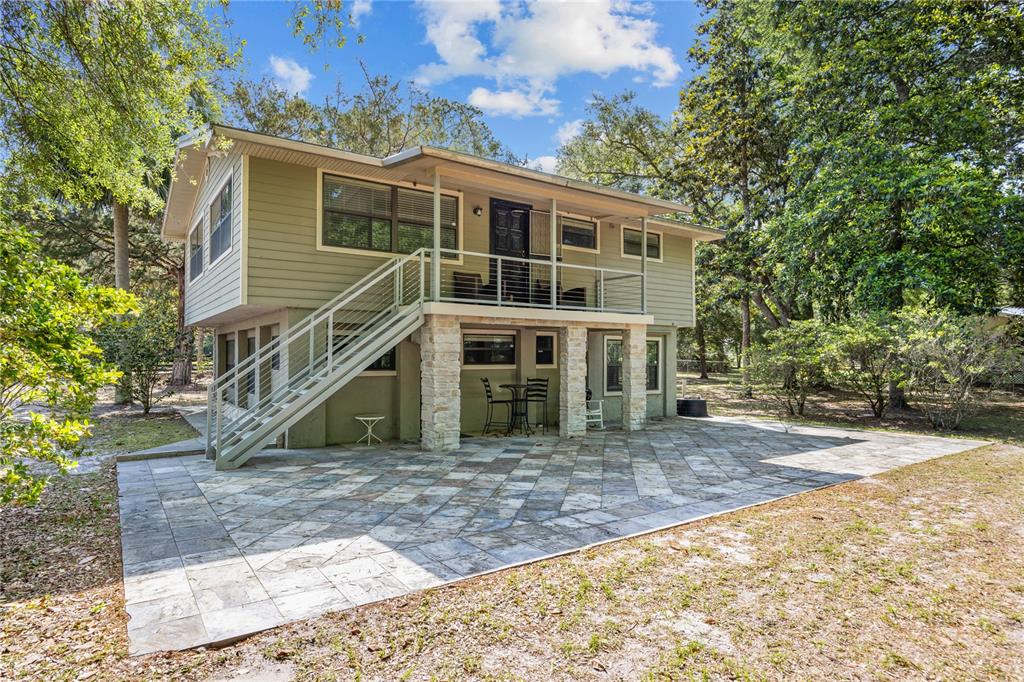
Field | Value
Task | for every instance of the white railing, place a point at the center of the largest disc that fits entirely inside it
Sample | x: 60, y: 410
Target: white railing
x: 274, y: 387
x: 482, y: 278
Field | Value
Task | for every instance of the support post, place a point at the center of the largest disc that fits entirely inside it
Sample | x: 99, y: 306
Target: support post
x: 554, y: 252
x: 643, y: 264
x: 435, y: 265
x: 572, y: 381
x: 634, y: 377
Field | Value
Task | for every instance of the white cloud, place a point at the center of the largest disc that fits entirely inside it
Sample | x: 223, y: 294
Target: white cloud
x: 568, y: 130
x: 515, y: 103
x: 359, y: 8
x: 528, y: 46
x: 547, y: 164
x: 290, y: 75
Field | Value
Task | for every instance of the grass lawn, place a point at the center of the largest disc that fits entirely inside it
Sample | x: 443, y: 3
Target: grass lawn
x: 916, y: 573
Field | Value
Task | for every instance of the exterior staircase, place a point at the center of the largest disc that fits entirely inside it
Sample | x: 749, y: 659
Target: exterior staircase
x: 256, y: 401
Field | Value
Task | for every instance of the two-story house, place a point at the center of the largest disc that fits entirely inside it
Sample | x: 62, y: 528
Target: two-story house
x: 342, y: 285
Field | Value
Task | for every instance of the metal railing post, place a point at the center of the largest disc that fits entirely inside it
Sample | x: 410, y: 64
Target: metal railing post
x: 330, y: 339
x: 210, y: 407
x: 600, y: 290
x: 220, y: 410
x: 423, y: 276
x: 500, y: 292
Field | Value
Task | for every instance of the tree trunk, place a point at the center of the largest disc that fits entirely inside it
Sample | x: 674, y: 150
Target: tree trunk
x: 745, y: 343
x: 122, y: 393
x: 181, y: 372
x: 702, y: 349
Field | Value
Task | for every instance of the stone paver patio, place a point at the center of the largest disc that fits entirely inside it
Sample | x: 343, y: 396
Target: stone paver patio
x: 210, y: 556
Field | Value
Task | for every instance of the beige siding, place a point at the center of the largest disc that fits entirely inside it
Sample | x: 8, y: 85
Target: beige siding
x: 219, y: 287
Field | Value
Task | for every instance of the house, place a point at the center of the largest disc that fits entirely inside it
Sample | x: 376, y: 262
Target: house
x: 341, y: 285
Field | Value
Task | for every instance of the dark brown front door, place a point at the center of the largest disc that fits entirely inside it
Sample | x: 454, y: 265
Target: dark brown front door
x: 510, y: 236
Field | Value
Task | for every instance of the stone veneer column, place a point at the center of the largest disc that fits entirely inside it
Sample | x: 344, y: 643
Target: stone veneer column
x: 634, y: 377
x: 440, y: 374
x: 572, y: 381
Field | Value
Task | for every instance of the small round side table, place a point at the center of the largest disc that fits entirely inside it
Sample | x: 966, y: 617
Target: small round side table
x: 369, y: 421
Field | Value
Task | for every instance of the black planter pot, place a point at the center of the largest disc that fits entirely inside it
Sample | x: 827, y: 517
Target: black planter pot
x: 692, y: 407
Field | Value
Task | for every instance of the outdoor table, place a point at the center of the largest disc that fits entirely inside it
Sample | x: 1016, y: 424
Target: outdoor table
x: 520, y: 415
x: 369, y: 421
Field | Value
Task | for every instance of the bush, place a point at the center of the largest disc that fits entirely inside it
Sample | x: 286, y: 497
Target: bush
x: 141, y: 346
x: 946, y: 357
x: 790, y: 365
x: 49, y: 365
x: 862, y: 357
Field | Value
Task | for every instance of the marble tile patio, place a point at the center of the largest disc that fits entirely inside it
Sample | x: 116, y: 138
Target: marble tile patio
x: 210, y: 556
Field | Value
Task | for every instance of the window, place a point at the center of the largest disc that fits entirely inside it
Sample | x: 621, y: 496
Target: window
x: 275, y: 359
x: 631, y: 243
x: 195, y: 252
x: 250, y: 376
x: 220, y: 223
x: 229, y: 355
x: 385, y: 363
x: 545, y: 350
x: 489, y: 350
x: 579, y: 233
x: 613, y: 365
x: 366, y: 215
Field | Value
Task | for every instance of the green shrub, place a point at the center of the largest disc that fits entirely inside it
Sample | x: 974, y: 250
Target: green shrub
x: 789, y: 365
x: 862, y: 357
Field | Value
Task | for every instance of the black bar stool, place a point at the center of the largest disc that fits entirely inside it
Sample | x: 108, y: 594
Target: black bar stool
x: 537, y: 392
x: 491, y: 402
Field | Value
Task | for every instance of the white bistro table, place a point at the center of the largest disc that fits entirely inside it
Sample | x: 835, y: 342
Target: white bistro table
x: 369, y: 421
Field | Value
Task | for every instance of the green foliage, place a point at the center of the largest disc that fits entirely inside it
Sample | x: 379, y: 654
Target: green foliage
x: 142, y: 345
x: 50, y: 368
x: 947, y: 357
x: 789, y: 364
x: 862, y: 356
x: 383, y: 118
x: 93, y: 94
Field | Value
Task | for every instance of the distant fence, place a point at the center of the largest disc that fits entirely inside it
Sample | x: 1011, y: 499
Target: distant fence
x: 714, y: 366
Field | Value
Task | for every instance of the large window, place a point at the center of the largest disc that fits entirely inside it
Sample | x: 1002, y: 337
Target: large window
x: 613, y: 365
x: 481, y: 350
x: 631, y: 240
x: 220, y: 223
x: 374, y: 217
x: 579, y: 233
x: 195, y: 252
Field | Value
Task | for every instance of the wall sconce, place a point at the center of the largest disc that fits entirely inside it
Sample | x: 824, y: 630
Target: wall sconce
x: 478, y: 211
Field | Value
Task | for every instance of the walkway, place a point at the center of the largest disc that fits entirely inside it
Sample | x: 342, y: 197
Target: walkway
x: 210, y: 556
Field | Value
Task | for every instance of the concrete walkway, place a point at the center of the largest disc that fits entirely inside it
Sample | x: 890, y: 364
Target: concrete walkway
x: 210, y: 556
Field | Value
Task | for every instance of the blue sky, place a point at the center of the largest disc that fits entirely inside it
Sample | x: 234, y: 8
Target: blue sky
x: 531, y: 66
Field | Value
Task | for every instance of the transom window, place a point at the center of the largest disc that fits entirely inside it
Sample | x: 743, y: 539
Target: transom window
x: 613, y: 365
x: 375, y: 217
x: 220, y: 222
x: 195, y: 252
x: 631, y: 240
x: 489, y: 350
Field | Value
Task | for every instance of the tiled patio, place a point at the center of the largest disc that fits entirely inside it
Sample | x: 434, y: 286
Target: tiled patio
x: 210, y: 555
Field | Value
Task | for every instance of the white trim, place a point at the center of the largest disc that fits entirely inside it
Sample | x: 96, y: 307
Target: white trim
x: 243, y: 238
x: 511, y: 313
x: 488, y: 332
x: 320, y: 246
x: 231, y: 227
x: 604, y: 366
x: 661, y: 244
x: 554, y: 350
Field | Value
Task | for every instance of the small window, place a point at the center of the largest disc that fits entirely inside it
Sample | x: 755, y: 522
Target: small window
x: 275, y: 359
x: 229, y: 355
x: 489, y: 349
x: 631, y: 243
x: 195, y: 252
x: 545, y: 350
x: 579, y: 233
x: 385, y: 363
x: 250, y: 376
x: 220, y: 223
x: 613, y: 365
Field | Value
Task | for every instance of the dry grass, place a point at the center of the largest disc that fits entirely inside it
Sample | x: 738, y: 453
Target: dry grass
x: 918, y: 573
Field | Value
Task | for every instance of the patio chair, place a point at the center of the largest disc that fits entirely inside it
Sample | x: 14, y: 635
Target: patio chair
x: 537, y: 393
x: 595, y: 413
x: 491, y: 402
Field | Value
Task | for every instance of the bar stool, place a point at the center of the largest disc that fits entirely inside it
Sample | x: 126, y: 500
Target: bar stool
x: 537, y: 392
x: 491, y: 402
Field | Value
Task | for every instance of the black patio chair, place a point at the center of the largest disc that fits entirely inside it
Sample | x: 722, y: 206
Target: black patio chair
x: 491, y: 402
x: 537, y: 393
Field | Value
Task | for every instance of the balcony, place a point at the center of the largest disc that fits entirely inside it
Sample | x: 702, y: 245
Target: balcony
x: 487, y: 279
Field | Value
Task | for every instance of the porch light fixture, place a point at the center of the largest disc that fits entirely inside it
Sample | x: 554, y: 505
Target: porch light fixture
x: 478, y: 211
